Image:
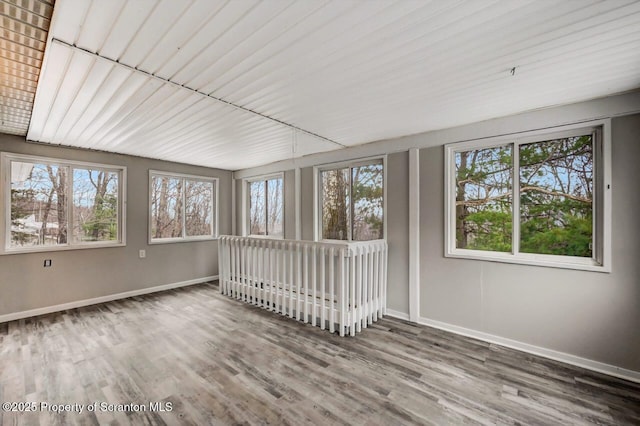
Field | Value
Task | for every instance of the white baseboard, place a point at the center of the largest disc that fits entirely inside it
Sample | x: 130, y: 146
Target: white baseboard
x: 102, y: 299
x: 397, y: 314
x: 600, y: 367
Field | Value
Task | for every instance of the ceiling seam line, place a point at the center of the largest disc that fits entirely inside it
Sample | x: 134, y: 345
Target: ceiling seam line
x: 173, y: 83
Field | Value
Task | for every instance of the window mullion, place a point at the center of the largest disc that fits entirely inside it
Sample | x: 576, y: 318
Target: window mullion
x: 266, y: 207
x: 515, y: 201
x: 597, y: 187
x: 184, y: 208
x: 69, y: 204
x: 247, y: 211
x: 350, y: 208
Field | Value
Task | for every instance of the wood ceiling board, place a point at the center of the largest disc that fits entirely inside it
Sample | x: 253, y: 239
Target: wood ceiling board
x: 114, y: 80
x: 350, y: 71
x: 95, y: 26
x: 133, y: 16
x: 220, y: 22
x: 163, y: 17
x: 199, y: 70
x: 91, y: 82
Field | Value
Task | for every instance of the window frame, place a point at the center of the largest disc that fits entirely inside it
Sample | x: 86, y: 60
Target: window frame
x: 246, y: 205
x: 317, y: 194
x: 601, y: 252
x: 184, y: 239
x: 5, y: 190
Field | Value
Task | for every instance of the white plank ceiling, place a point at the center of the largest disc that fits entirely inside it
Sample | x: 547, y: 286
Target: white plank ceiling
x: 240, y: 83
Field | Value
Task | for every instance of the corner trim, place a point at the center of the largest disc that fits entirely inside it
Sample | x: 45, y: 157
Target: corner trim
x: 102, y: 299
x: 414, y: 234
x: 600, y: 367
x: 397, y: 314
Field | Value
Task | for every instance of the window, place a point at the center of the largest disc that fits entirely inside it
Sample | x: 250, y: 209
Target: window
x: 351, y: 201
x: 538, y: 199
x: 181, y: 207
x: 266, y: 206
x: 54, y: 204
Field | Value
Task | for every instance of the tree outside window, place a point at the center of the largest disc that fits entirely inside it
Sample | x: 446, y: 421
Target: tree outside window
x: 266, y: 207
x: 554, y: 191
x: 54, y: 204
x: 181, y: 207
x: 352, y: 202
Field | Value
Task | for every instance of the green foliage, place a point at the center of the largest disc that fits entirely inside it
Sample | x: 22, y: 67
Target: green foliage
x: 103, y: 222
x: 555, y: 225
x: 369, y: 198
x: 491, y: 230
x: 556, y: 186
x: 573, y: 239
x: 19, y: 203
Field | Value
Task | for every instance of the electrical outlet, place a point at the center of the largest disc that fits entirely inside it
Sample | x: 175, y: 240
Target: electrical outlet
x: 47, y: 263
x: 143, y: 254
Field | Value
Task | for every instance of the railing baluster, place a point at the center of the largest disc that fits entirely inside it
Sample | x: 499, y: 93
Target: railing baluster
x: 376, y: 300
x: 298, y: 283
x: 360, y: 292
x: 291, y: 279
x: 238, y: 279
x: 259, y: 274
x: 269, y: 255
x: 306, y: 282
x: 332, y: 310
x: 243, y: 267
x: 276, y: 284
x: 283, y: 277
x: 314, y: 279
x: 323, y: 315
x: 365, y: 286
x: 342, y: 266
x: 283, y: 306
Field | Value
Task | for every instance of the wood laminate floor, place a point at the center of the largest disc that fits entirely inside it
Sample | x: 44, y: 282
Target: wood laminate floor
x: 219, y: 361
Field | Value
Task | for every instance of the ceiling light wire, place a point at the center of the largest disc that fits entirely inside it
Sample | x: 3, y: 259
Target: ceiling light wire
x: 196, y: 91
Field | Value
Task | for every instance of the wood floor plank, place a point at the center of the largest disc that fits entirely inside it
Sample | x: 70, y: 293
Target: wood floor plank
x: 216, y: 360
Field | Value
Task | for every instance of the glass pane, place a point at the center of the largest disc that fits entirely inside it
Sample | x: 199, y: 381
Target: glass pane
x: 274, y: 207
x: 199, y: 208
x: 335, y: 204
x: 258, y: 208
x: 367, y: 202
x: 556, y: 197
x: 483, y: 199
x: 38, y: 204
x: 95, y: 205
x: 166, y: 207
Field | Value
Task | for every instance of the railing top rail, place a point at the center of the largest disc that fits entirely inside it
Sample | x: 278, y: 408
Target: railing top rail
x: 327, y: 244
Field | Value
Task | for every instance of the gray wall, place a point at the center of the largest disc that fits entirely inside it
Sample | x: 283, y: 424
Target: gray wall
x: 398, y: 231
x: 88, y: 273
x: 588, y: 314
x: 289, y: 202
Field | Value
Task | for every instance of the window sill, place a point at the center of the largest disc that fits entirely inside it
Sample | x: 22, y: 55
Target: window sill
x: 48, y: 249
x: 575, y: 263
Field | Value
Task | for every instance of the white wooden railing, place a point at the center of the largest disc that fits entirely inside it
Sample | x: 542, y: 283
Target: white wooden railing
x: 333, y: 286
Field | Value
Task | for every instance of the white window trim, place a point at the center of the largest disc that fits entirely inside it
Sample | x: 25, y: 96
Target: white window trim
x: 317, y: 194
x: 246, y: 205
x: 5, y: 191
x: 601, y: 206
x: 185, y: 239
